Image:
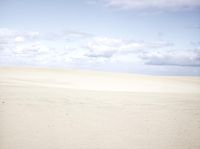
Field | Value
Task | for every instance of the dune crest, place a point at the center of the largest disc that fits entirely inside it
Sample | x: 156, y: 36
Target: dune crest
x: 100, y: 81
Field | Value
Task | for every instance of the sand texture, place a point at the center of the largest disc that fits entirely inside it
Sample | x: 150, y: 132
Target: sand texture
x: 72, y: 109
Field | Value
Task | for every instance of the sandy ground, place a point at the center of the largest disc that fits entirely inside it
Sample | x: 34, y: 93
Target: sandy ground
x: 71, y: 109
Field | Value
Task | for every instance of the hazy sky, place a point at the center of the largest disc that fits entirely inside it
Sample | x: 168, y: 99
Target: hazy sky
x: 140, y: 36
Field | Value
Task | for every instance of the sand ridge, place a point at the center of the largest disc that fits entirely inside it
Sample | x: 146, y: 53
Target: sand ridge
x: 102, y: 81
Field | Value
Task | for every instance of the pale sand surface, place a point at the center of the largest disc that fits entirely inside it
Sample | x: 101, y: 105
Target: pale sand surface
x: 71, y: 109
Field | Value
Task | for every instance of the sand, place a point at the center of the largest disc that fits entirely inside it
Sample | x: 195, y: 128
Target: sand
x: 76, y: 109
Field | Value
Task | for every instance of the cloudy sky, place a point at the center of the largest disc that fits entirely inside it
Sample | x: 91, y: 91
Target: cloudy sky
x: 160, y: 37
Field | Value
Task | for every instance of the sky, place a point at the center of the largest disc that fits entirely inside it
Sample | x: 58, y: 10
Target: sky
x: 156, y: 37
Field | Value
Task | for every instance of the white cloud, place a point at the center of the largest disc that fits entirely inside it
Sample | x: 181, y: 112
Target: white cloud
x: 18, y: 47
x: 28, y: 48
x: 171, y: 57
x: 76, y: 34
x: 140, y: 52
x: 152, y: 4
x: 8, y: 36
x: 108, y: 47
x: 31, y: 49
x: 103, y: 46
x: 19, y: 39
x: 67, y: 34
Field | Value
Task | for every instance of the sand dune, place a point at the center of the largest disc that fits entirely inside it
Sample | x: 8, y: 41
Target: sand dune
x: 74, y: 109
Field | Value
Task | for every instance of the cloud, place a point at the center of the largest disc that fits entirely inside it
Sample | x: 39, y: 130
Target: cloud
x: 19, y: 39
x: 8, y: 36
x: 29, y: 48
x: 19, y: 47
x: 153, y: 4
x: 67, y: 35
x: 149, y: 53
x: 103, y: 47
x: 172, y: 57
x: 107, y: 47
x: 76, y: 34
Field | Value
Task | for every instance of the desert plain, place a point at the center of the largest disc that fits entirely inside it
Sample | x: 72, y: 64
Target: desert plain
x: 44, y: 108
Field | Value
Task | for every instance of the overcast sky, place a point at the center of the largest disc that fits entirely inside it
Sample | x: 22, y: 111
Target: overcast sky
x: 159, y: 37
